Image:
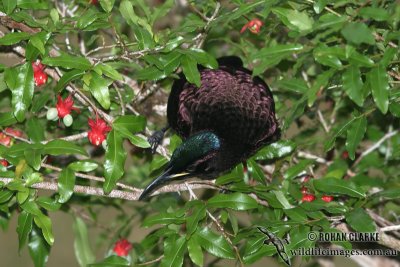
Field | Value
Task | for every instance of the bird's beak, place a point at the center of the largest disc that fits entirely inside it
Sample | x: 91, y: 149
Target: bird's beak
x: 165, y: 178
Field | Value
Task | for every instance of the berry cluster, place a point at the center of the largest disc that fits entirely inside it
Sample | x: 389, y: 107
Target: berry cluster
x: 39, y: 75
x: 308, y: 197
x: 122, y: 247
x: 253, y: 25
x: 62, y: 110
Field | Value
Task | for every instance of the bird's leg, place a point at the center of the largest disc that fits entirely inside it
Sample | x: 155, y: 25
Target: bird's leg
x: 156, y: 138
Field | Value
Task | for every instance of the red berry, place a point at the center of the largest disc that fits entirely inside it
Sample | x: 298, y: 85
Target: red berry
x: 14, y: 132
x: 4, y: 162
x: 98, y: 131
x: 253, y: 25
x: 40, y: 78
x: 5, y: 140
x: 304, y: 190
x: 122, y: 247
x: 65, y: 106
x: 345, y: 155
x: 93, y: 2
x: 37, y: 66
x: 327, y: 198
x: 308, y: 198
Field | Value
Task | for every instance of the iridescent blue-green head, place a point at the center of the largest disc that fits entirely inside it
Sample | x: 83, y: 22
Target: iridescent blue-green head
x: 195, y: 156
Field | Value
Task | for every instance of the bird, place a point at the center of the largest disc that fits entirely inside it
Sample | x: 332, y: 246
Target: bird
x: 222, y: 123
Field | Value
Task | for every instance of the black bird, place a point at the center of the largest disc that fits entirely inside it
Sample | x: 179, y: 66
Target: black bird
x: 222, y: 122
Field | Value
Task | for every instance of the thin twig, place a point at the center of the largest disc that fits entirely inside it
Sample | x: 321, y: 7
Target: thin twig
x: 150, y: 262
x: 90, y: 177
x: 390, y: 228
x: 323, y: 122
x: 375, y: 146
x: 307, y: 155
x: 69, y: 138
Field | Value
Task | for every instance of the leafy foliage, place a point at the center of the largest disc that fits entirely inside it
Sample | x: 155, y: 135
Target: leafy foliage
x: 334, y: 71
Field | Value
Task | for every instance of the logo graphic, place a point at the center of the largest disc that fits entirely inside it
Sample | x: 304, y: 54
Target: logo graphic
x: 277, y: 242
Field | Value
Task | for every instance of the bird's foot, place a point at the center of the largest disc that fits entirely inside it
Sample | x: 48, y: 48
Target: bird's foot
x: 155, y: 140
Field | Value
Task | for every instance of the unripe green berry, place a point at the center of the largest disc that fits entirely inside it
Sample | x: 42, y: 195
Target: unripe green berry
x: 104, y: 144
x: 52, y: 114
x: 68, y: 120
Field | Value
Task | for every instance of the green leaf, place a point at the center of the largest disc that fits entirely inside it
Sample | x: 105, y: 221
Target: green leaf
x: 357, y: 59
x: 157, y: 162
x: 87, y: 18
x: 48, y: 203
x: 24, y: 227
x: 198, y: 213
x: 279, y: 51
x: 163, y: 218
x: 38, y: 43
x: 13, y: 38
x: 338, y: 186
x: 379, y: 82
x: 66, y: 183
x: 357, y: 33
x: 360, y: 221
x: 38, y: 248
x: 388, y: 56
x: 112, y: 261
x: 107, y: 5
x: 83, y: 251
x: 143, y: 37
x: 295, y: 20
x: 99, y: 89
x: 202, y: 57
x: 20, y: 82
x: 320, y: 82
x: 115, y: 161
x: 39, y: 101
x: 353, y: 85
x: 139, y: 141
x: 236, y: 201
x: 128, y: 125
x: 338, y: 132
x: 355, y: 134
x: 67, y: 78
x: 68, y: 62
x: 189, y: 66
x: 295, y: 170
x: 256, y: 172
x: 279, y: 149
x: 44, y: 223
x: 174, y: 249
x: 34, y: 157
x: 35, y: 130
x: 214, y: 243
x: 5, y: 195
x: 110, y: 72
x: 83, y: 166
x: 293, y: 85
x: 394, y: 108
x: 7, y: 119
x: 61, y: 147
x: 150, y: 74
x: 195, y: 252
x: 173, y: 43
x: 282, y: 199
x: 378, y: 14
x: 9, y: 6
x: 170, y: 62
